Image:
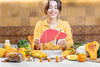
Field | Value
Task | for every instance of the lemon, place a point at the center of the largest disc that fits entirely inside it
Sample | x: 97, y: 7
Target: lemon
x: 72, y: 57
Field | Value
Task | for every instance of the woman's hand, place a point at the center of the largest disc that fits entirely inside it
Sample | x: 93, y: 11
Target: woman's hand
x: 62, y: 43
x: 37, y: 45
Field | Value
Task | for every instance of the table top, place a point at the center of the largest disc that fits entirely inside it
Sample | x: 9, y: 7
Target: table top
x: 64, y: 63
x: 45, y: 63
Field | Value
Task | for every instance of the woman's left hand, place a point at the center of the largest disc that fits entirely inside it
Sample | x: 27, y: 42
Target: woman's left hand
x: 62, y: 42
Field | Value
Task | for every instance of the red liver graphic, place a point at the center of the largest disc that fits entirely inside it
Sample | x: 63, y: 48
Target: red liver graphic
x: 50, y: 35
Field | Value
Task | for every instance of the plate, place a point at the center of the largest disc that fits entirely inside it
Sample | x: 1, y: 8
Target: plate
x: 53, y: 53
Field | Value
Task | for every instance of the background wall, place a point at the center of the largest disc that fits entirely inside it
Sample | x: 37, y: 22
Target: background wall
x: 18, y: 19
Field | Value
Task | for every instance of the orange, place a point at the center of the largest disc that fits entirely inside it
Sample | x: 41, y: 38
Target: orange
x: 82, y: 57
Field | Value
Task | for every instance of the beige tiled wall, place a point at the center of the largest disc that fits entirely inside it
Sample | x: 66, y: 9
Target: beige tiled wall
x: 0, y: 14
x: 22, y: 13
x: 18, y: 19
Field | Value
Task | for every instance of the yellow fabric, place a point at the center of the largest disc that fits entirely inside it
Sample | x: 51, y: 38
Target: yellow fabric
x: 62, y: 25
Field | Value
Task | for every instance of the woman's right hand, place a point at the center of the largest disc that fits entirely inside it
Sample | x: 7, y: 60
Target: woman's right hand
x: 37, y: 45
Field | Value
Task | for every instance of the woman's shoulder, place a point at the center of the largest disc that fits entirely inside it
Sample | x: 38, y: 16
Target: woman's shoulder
x: 65, y: 24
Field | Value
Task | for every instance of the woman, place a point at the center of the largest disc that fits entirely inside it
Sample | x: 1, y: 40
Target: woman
x: 52, y: 10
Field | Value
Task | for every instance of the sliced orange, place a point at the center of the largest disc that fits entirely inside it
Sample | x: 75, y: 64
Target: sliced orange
x: 71, y: 50
x: 65, y: 53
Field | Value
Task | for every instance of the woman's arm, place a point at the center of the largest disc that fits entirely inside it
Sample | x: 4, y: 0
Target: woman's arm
x: 37, y: 33
x: 62, y: 43
x: 69, y: 35
x: 68, y: 41
x: 37, y: 45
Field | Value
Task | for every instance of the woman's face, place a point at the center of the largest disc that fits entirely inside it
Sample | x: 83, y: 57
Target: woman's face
x: 53, y: 10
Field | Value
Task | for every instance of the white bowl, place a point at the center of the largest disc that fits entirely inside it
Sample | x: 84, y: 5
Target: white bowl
x: 53, y: 53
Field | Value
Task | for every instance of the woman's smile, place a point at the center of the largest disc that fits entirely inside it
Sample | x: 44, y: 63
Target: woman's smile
x: 52, y: 14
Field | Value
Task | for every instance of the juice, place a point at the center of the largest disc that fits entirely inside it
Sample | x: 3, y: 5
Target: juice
x: 7, y: 44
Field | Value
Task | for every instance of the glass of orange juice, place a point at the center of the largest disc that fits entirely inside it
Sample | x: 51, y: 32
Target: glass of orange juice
x: 7, y: 44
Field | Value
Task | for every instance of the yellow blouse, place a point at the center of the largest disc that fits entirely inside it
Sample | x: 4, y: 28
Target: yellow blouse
x: 62, y: 25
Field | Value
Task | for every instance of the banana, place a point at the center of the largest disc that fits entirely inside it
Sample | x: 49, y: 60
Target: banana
x: 38, y: 54
x: 1, y: 54
x: 2, y: 49
x: 44, y: 55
